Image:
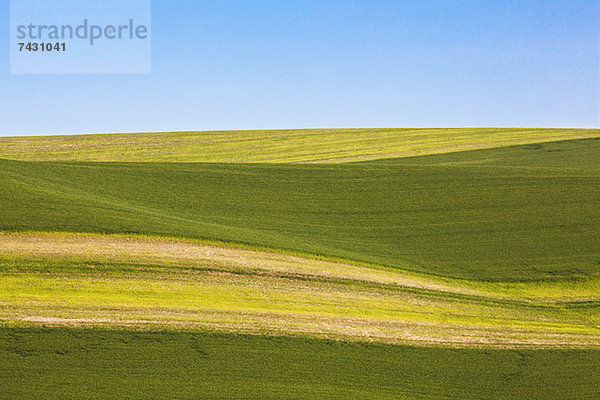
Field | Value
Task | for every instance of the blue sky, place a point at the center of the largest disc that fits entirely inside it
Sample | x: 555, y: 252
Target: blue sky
x: 308, y: 64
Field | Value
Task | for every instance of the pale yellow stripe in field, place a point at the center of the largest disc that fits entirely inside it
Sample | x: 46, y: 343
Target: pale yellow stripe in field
x: 276, y: 146
x: 182, y: 284
x: 192, y: 253
x: 140, y: 249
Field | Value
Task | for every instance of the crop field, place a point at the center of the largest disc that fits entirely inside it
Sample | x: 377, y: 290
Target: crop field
x: 71, y: 363
x: 411, y: 264
x: 274, y: 146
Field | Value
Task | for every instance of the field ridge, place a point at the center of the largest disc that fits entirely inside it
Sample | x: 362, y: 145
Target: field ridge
x: 276, y: 146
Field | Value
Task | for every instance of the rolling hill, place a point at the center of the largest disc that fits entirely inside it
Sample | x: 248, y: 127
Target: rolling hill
x: 454, y: 215
x: 274, y: 146
x: 418, y: 263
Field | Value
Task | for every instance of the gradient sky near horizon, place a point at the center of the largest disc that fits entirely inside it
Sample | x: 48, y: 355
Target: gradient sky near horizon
x: 226, y: 64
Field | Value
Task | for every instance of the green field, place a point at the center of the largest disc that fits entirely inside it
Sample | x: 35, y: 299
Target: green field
x: 99, y: 364
x: 278, y: 146
x: 453, y: 215
x: 416, y: 264
x: 151, y: 283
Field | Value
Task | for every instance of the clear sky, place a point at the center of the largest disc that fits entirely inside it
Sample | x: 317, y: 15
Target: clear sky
x: 256, y: 64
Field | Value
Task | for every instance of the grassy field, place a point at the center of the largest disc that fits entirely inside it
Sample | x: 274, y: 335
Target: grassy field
x: 411, y: 264
x: 65, y: 363
x: 451, y: 215
x: 278, y: 146
x: 149, y: 283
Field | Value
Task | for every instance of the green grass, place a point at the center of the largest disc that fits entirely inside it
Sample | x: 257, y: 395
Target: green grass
x: 106, y: 364
x: 489, y: 248
x: 518, y: 213
x: 146, y: 283
x: 562, y: 155
x: 314, y: 145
